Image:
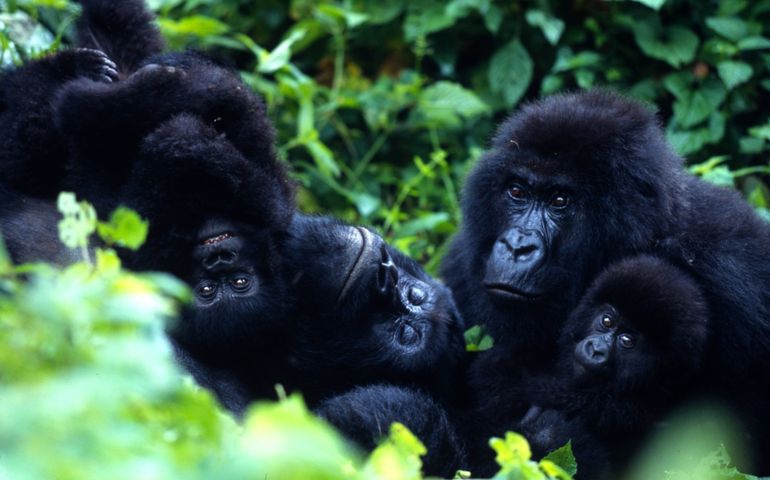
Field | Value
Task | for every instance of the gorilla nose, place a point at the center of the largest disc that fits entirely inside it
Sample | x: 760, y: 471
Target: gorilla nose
x: 219, y: 258
x: 525, y: 246
x: 596, y: 352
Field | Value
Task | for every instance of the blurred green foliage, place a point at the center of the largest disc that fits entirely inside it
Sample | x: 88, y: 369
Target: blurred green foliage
x: 382, y: 105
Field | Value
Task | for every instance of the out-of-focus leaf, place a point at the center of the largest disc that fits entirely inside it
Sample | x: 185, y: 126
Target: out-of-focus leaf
x: 564, y: 458
x: 477, y: 339
x: 654, y: 4
x: 674, y: 45
x: 510, y: 72
x: 125, y: 228
x: 551, y: 26
x: 446, y: 103
x: 79, y: 220
x: 196, y: 25
x: 732, y: 28
x: 734, y: 73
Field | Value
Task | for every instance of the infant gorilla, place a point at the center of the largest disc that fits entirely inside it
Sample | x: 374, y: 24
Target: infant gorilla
x: 630, y: 350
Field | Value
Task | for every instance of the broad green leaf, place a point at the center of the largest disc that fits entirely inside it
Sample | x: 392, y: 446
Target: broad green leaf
x: 674, y: 45
x: 196, y: 25
x: 754, y: 43
x: 510, y: 72
x: 125, y: 228
x: 732, y: 28
x: 426, y: 17
x: 566, y: 60
x: 693, y: 108
x: 446, y: 103
x: 551, y: 26
x: 762, y: 131
x: 423, y: 223
x: 734, y: 73
x: 564, y: 458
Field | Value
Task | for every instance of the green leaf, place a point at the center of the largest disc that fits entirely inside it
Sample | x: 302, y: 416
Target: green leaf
x: 564, y: 458
x: 426, y: 222
x: 754, y: 43
x: 674, y: 45
x: 551, y: 26
x: 196, y: 25
x: 280, y: 56
x: 762, y: 131
x: 734, y: 73
x: 323, y: 156
x: 732, y: 28
x: 693, y: 108
x: 426, y: 17
x: 125, y: 228
x: 446, y: 103
x: 653, y: 4
x: 477, y: 339
x: 79, y: 220
x: 510, y: 72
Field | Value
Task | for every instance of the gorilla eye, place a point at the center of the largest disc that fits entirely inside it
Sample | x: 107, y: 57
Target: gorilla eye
x: 626, y: 340
x: 517, y: 193
x: 607, y: 321
x: 559, y: 201
x: 240, y: 283
x: 207, y: 290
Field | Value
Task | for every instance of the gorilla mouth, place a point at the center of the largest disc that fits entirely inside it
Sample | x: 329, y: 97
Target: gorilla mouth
x: 357, y: 266
x: 218, y: 238
x: 503, y: 290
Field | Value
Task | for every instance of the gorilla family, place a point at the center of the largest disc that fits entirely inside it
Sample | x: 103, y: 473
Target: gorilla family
x: 584, y: 251
x: 628, y: 353
x: 279, y: 297
x: 573, y: 183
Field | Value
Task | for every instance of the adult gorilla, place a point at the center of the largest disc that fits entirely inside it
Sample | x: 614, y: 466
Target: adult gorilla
x: 573, y: 183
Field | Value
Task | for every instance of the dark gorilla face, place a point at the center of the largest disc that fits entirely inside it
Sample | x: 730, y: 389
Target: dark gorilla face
x: 368, y: 313
x: 240, y: 300
x: 642, y: 323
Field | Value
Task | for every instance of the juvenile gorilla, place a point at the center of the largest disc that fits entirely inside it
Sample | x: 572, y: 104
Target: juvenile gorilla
x: 574, y: 182
x: 368, y: 314
x: 630, y: 351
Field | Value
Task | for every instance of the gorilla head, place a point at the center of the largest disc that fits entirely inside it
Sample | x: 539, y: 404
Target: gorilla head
x: 569, y: 183
x: 241, y: 302
x: 643, y: 324
x: 368, y: 313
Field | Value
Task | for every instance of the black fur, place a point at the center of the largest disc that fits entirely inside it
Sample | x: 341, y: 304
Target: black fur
x: 606, y: 396
x: 365, y: 414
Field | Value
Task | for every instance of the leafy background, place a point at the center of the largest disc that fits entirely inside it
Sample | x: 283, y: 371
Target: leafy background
x: 381, y: 106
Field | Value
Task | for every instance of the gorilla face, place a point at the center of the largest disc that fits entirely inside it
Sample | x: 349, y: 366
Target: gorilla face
x: 368, y: 312
x: 642, y: 321
x: 240, y: 299
x: 524, y: 264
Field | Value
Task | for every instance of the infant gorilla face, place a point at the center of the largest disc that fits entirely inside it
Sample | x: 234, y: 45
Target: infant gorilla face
x: 368, y: 312
x: 239, y: 296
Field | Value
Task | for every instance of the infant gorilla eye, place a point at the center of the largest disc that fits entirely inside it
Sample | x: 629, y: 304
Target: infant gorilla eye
x: 626, y: 340
x: 240, y: 283
x: 607, y: 321
x: 559, y: 201
x: 517, y: 193
x: 207, y: 290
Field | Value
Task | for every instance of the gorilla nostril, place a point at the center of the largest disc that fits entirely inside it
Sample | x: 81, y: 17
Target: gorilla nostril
x: 408, y: 335
x: 387, y: 277
x: 417, y: 295
x: 219, y: 257
x: 524, y: 252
